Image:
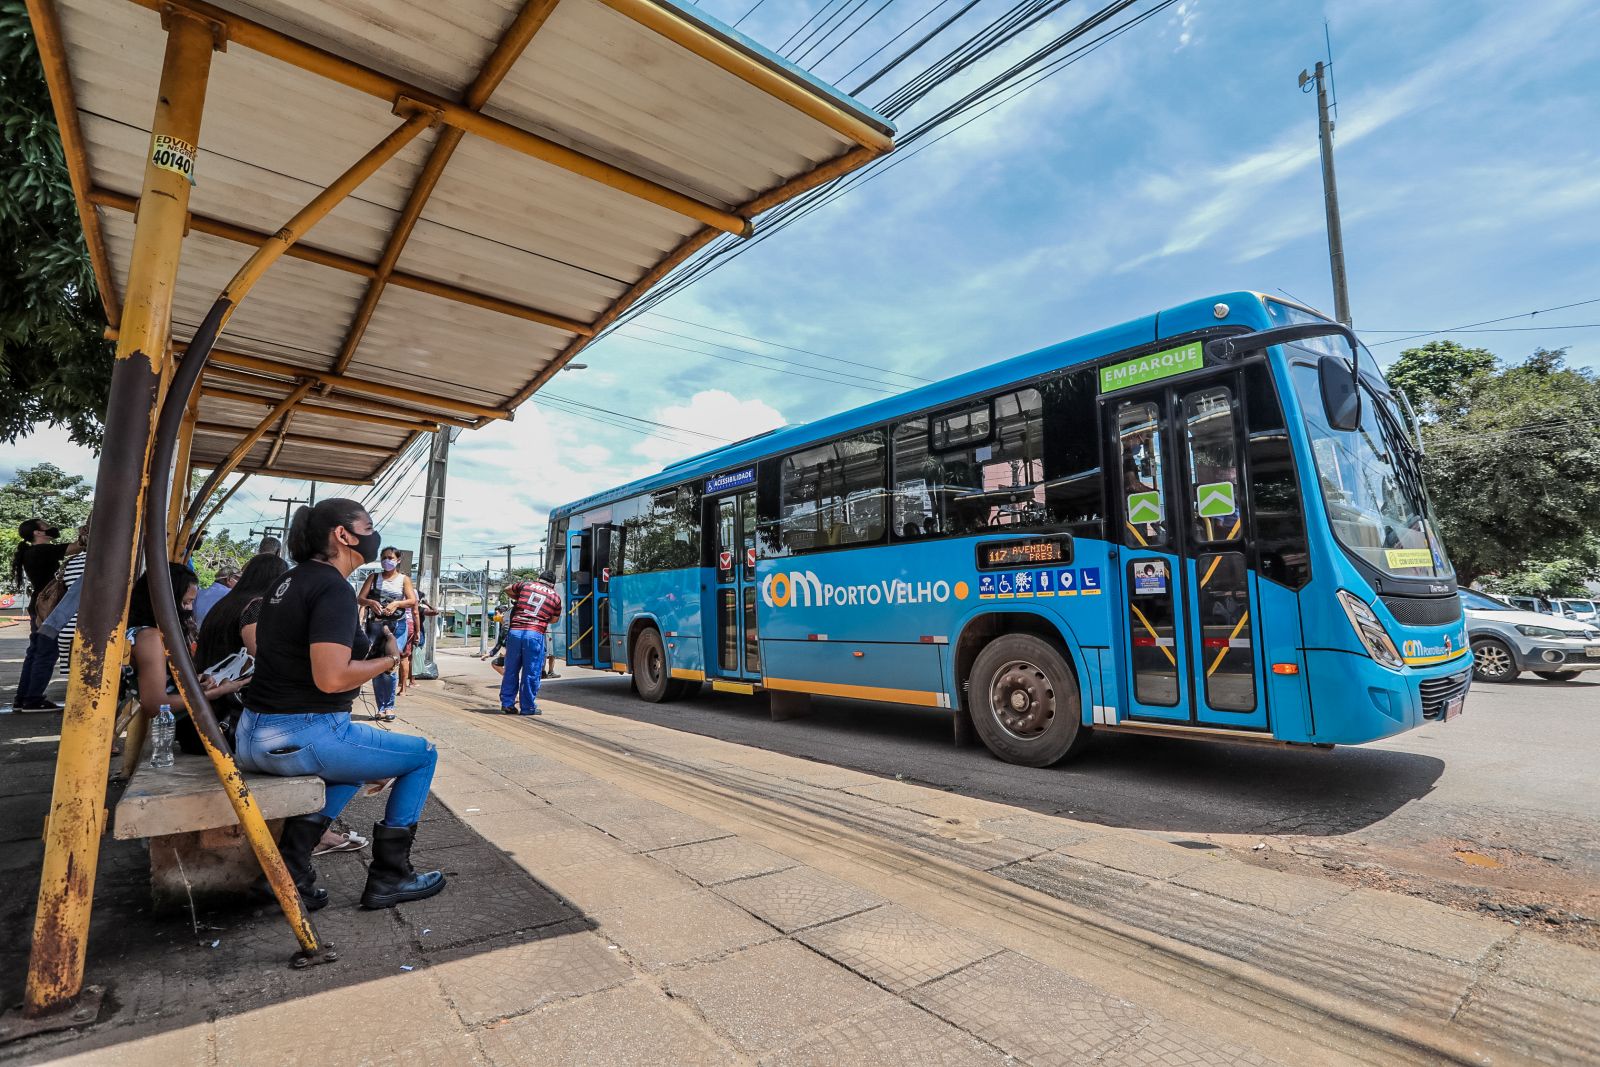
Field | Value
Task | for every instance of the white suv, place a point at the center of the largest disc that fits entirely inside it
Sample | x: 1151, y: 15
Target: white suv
x: 1507, y: 641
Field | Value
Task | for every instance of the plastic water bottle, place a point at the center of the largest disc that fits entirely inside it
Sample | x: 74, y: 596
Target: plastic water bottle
x: 163, y: 730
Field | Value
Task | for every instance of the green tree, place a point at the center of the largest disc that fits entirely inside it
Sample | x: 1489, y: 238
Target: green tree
x: 42, y: 492
x: 1513, y: 466
x: 1563, y: 576
x: 55, y: 363
x: 220, y: 550
x: 1439, y: 376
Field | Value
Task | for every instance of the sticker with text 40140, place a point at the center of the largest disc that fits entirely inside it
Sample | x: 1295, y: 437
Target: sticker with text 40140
x: 170, y: 153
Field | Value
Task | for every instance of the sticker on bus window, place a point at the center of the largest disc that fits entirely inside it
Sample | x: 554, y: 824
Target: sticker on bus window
x: 1007, y: 586
x: 1066, y: 583
x: 1089, y: 581
x: 1149, y: 577
x: 1214, y: 500
x: 1024, y: 583
x: 749, y: 557
x: 1144, y: 507
x: 986, y: 586
x: 724, y: 561
x: 1044, y: 583
x: 1398, y: 558
x: 1151, y: 368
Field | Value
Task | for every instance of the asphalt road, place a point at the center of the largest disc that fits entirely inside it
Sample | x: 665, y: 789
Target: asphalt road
x: 1497, y: 806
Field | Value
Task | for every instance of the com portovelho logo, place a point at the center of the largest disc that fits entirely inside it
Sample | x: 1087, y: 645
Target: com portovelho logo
x: 1415, y: 649
x: 803, y: 589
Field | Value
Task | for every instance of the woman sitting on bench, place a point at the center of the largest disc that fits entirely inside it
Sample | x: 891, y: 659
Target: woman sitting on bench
x: 312, y: 657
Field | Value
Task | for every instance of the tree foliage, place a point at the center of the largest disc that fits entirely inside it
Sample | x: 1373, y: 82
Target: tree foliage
x: 1562, y: 576
x: 1439, y: 376
x: 220, y: 550
x: 55, y: 363
x: 42, y: 492
x: 1513, y: 460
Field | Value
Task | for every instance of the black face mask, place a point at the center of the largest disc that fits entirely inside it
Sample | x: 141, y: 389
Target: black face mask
x: 53, y: 532
x: 369, y: 545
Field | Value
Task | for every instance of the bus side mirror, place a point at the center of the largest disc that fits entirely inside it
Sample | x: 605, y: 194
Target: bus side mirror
x: 1341, y: 397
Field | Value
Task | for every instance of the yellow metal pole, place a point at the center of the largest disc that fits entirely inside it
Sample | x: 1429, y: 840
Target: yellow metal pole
x: 77, y: 805
x: 180, y: 475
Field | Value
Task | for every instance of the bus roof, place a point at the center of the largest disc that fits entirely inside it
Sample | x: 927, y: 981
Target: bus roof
x: 1245, y: 308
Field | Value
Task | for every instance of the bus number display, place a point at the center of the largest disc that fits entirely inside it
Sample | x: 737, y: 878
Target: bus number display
x: 1000, y: 555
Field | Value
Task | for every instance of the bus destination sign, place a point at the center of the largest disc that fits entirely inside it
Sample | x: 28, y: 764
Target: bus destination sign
x: 1004, y: 555
x: 732, y: 480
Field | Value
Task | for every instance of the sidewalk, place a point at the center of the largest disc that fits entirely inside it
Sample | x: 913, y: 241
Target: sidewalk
x: 629, y: 894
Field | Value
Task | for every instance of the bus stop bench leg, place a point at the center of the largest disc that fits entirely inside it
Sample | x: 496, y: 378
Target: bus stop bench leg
x: 202, y: 863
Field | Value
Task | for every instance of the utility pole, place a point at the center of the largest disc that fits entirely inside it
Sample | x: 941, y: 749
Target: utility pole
x: 507, y: 549
x: 1330, y: 195
x: 430, y: 552
x: 483, y: 630
x: 288, y: 503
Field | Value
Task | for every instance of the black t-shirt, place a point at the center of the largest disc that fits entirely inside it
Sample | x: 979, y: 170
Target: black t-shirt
x: 312, y: 605
x: 39, y: 563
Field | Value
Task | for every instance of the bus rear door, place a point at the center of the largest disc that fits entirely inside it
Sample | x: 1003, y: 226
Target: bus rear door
x: 1188, y: 593
x: 730, y: 529
x: 580, y: 600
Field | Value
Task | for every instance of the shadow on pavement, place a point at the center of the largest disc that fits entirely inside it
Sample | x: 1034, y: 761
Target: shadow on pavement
x: 1146, y: 783
x: 166, y: 971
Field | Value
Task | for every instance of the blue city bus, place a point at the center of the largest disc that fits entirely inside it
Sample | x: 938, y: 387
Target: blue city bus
x: 1207, y: 522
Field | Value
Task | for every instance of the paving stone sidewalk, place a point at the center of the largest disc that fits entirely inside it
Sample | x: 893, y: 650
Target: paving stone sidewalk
x: 590, y: 923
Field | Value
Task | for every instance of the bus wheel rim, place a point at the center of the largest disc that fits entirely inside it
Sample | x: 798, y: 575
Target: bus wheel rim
x: 652, y: 666
x: 1023, y: 699
x: 1494, y: 660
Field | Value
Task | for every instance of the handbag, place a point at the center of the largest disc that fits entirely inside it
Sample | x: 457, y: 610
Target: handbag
x: 62, y: 610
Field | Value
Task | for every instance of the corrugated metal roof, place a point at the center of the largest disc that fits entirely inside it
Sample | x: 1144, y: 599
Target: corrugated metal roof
x: 505, y: 260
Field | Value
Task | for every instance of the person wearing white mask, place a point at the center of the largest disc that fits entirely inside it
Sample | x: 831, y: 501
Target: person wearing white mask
x: 388, y: 596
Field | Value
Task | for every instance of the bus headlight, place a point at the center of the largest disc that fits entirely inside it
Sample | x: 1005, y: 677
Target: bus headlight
x: 1370, y: 630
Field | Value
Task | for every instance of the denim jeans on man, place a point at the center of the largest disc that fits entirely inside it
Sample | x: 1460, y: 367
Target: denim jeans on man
x: 343, y: 754
x: 524, y: 665
x: 37, y: 663
x: 384, y: 684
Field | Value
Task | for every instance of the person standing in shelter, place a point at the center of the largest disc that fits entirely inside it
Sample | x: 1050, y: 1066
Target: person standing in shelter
x: 535, y: 604
x: 36, y: 561
x: 227, y: 578
x: 389, y: 596
x: 312, y: 657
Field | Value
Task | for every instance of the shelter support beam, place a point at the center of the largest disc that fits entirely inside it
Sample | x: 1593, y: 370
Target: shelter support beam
x: 77, y: 805
x: 280, y: 46
x: 374, y: 414
x: 53, y: 57
x: 302, y: 440
x: 505, y: 55
x: 241, y: 450
x: 344, y: 382
x: 243, y: 235
x: 180, y: 475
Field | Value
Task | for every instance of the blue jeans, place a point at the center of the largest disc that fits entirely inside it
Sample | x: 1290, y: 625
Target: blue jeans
x: 343, y: 754
x: 37, y: 663
x: 524, y: 666
x: 383, y: 685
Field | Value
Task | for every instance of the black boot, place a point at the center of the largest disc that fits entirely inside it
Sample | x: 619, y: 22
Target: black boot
x: 300, y: 835
x: 390, y: 879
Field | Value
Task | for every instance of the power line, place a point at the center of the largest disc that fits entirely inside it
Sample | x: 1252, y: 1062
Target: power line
x: 747, y: 14
x: 846, y: 38
x: 1485, y: 322
x: 759, y: 366
x: 1499, y: 329
x: 764, y: 355
x: 634, y: 418
x: 790, y: 348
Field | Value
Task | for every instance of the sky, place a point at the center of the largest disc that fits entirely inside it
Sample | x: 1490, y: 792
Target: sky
x: 1178, y: 161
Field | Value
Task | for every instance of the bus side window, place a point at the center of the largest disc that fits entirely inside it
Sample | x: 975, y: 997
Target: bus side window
x: 1274, y: 489
x: 833, y: 495
x: 1074, y: 486
x: 1143, y: 484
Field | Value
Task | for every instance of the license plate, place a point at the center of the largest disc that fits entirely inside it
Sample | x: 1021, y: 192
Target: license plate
x: 1452, y: 709
x: 1592, y: 651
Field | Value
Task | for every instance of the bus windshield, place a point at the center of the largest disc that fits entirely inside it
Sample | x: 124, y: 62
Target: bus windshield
x: 1372, y: 486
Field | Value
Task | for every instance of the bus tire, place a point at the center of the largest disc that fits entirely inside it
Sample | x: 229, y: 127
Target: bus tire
x: 651, y: 679
x: 1025, y: 701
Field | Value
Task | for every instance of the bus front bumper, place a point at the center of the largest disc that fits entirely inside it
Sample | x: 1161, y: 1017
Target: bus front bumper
x: 1375, y: 702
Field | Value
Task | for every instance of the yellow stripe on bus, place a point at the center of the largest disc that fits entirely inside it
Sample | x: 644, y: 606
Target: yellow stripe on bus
x: 1226, y: 648
x: 688, y: 675
x: 918, y: 697
x: 1153, y: 634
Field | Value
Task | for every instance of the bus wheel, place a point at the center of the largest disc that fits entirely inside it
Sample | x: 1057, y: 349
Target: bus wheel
x: 1025, y: 701
x: 650, y: 677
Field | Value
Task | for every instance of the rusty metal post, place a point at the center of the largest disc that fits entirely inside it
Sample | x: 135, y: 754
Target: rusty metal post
x: 77, y: 806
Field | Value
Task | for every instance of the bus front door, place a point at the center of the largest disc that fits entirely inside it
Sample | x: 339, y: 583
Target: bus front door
x: 580, y: 600
x: 731, y: 529
x: 1189, y: 647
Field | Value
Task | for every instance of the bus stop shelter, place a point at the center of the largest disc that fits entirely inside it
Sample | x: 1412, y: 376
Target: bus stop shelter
x: 321, y: 228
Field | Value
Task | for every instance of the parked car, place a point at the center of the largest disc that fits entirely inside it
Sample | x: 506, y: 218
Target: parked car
x: 1507, y: 640
x: 1529, y: 603
x: 1573, y: 608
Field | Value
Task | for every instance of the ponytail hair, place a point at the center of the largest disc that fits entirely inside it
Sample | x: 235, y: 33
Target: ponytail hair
x: 25, y: 532
x: 312, y: 526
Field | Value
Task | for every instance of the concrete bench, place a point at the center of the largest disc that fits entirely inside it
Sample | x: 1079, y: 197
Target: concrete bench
x: 196, y: 845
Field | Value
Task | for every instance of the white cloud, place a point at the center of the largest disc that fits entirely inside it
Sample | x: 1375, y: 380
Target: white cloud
x: 48, y: 444
x: 710, y: 411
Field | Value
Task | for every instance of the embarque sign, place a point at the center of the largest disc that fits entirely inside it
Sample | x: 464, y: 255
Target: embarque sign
x: 1151, y: 368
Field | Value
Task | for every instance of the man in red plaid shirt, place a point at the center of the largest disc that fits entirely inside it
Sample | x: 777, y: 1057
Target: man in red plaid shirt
x: 535, y: 604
